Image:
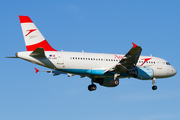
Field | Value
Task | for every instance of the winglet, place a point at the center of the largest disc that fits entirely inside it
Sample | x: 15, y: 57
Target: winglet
x: 36, y: 70
x: 134, y: 45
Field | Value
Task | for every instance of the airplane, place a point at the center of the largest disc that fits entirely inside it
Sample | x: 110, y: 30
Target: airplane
x: 105, y: 69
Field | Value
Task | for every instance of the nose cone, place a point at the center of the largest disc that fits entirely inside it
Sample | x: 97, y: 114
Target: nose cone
x: 173, y: 71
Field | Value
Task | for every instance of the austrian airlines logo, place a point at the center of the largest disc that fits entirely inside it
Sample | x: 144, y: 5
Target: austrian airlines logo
x: 145, y: 60
x: 118, y: 57
x: 30, y: 31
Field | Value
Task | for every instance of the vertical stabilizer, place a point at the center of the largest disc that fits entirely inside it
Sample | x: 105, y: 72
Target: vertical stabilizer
x: 32, y: 36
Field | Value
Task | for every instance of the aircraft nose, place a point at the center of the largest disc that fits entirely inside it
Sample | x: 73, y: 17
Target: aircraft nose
x: 173, y: 71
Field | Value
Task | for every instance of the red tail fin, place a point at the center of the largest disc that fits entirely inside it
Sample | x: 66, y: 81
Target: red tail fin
x: 32, y: 36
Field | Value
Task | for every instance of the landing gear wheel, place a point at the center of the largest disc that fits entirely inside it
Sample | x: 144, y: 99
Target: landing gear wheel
x: 114, y: 83
x: 154, y: 87
x: 92, y: 87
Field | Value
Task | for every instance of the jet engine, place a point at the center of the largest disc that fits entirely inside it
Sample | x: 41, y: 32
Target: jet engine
x: 107, y: 82
x: 141, y: 73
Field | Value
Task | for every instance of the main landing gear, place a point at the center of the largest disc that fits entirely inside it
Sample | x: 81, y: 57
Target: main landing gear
x: 154, y: 87
x: 92, y: 87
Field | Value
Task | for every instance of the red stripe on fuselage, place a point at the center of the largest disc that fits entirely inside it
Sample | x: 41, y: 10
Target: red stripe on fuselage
x: 44, y: 44
x: 25, y: 19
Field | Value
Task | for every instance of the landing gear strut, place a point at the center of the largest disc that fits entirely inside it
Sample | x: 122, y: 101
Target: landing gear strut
x: 115, y: 82
x: 154, y: 87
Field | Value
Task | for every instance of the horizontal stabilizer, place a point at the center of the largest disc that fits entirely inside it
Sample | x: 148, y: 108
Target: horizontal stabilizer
x: 12, y: 57
x: 54, y: 72
x: 38, y: 52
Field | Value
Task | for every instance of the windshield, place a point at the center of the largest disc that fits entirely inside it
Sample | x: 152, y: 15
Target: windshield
x: 167, y: 63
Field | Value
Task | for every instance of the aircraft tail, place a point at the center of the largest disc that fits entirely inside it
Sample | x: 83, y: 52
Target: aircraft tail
x: 32, y: 36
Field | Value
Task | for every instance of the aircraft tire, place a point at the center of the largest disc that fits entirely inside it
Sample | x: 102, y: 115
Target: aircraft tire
x: 114, y: 83
x: 92, y: 87
x: 154, y: 87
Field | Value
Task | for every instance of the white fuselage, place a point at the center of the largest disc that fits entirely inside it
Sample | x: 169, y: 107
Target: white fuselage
x: 83, y: 63
x: 105, y: 69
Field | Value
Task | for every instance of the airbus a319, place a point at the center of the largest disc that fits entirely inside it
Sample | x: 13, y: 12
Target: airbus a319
x: 105, y: 69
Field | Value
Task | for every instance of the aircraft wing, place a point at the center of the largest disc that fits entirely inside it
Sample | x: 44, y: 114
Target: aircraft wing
x: 129, y: 61
x: 131, y: 58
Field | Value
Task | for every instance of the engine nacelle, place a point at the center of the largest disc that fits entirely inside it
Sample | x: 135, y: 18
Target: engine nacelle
x: 107, y: 82
x: 142, y: 73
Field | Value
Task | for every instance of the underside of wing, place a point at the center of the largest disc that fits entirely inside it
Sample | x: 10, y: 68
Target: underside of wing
x: 131, y: 58
x: 129, y: 61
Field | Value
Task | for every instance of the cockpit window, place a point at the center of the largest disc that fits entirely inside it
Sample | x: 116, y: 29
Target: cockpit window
x: 167, y: 63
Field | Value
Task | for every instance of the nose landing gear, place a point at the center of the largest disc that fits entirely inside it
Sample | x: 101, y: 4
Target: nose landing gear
x: 154, y: 87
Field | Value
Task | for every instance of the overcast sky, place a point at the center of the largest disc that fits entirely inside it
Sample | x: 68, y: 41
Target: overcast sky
x: 93, y: 26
